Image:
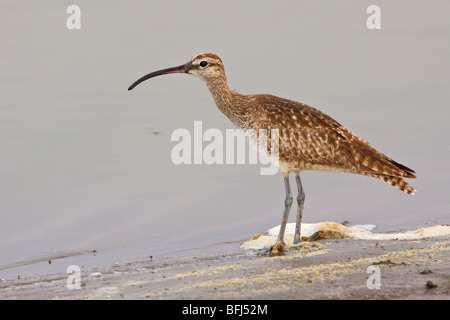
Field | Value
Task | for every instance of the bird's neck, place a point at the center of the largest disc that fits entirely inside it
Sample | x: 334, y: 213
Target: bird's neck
x: 230, y: 103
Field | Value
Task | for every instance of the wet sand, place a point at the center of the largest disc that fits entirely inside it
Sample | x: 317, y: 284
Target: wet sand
x: 322, y: 269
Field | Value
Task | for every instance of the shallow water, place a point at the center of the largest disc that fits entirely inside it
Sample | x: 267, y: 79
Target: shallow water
x: 82, y: 168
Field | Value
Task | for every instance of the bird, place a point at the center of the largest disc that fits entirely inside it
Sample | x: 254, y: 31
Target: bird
x: 308, y: 138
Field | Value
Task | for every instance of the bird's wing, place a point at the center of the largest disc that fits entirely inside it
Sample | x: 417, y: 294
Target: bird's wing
x: 313, y: 137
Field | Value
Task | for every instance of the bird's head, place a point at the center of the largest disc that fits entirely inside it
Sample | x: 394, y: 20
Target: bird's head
x: 205, y: 66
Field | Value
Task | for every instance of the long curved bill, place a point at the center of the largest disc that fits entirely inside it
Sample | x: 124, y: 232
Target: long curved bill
x: 180, y: 69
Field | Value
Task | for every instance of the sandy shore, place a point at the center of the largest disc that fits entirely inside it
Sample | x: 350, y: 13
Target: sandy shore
x: 323, y: 269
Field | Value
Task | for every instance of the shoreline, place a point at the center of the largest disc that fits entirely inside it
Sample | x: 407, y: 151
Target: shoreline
x: 322, y: 269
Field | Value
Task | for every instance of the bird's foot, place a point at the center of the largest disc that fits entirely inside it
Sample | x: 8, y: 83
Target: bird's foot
x: 278, y: 248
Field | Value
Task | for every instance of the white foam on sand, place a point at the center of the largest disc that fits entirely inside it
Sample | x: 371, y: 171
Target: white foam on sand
x: 333, y: 230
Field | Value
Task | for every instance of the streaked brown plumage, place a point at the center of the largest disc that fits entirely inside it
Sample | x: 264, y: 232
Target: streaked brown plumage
x: 309, y: 139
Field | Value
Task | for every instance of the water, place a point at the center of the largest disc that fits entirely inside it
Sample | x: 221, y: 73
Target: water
x: 81, y: 168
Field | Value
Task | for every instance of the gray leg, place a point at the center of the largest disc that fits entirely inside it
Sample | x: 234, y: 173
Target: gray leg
x: 287, y: 208
x: 300, y: 202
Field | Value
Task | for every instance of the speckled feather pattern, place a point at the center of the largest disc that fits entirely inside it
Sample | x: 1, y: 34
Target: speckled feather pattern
x: 309, y: 139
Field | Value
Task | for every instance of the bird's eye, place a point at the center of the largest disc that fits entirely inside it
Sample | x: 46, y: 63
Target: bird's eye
x: 203, y: 64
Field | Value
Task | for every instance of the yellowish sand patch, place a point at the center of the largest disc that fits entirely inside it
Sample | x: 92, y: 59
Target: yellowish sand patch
x: 204, y: 272
x: 333, y: 230
x: 277, y: 280
x: 104, y: 293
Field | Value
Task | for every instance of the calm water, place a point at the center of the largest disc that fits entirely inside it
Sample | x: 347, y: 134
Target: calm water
x: 81, y: 168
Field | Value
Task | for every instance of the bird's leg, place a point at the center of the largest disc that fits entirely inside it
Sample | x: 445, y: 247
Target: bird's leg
x: 287, y: 208
x: 300, y: 202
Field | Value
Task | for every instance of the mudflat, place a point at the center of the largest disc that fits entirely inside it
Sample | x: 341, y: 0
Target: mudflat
x: 322, y: 269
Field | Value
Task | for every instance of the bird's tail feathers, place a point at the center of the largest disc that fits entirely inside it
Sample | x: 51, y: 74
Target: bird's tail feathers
x: 397, y: 182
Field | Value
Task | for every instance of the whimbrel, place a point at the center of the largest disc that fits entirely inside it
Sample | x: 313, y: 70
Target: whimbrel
x: 309, y: 139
